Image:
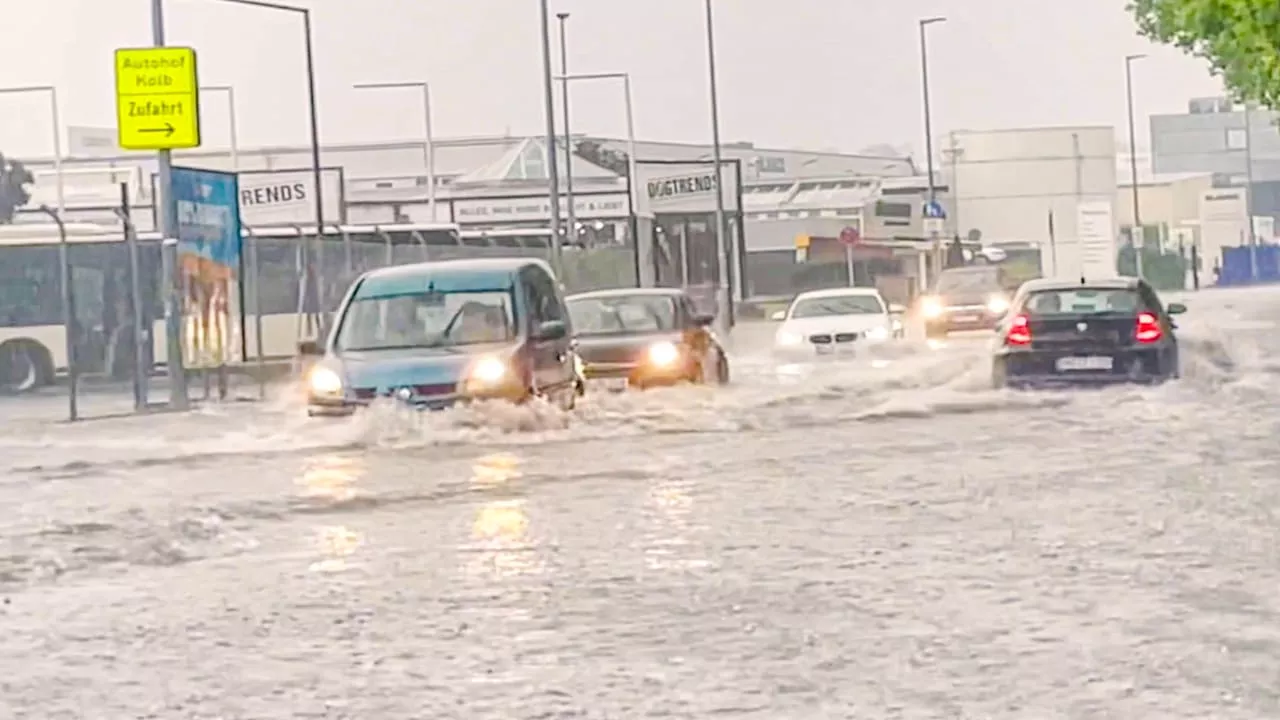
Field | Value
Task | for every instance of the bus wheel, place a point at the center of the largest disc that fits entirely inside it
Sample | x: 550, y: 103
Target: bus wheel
x: 24, y: 366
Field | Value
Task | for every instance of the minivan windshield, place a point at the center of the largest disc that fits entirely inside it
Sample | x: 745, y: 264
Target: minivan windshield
x: 426, y: 320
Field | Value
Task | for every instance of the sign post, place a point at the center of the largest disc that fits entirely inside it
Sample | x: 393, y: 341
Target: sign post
x: 850, y: 238
x: 935, y: 217
x: 158, y: 108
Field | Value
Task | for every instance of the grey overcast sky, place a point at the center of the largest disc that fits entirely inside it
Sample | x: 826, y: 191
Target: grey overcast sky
x: 814, y: 74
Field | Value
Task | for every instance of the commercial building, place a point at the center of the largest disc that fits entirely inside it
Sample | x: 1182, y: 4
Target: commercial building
x: 500, y: 184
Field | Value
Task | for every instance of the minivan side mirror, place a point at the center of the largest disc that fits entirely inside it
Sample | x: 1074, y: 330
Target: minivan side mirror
x: 896, y: 309
x: 310, y: 348
x: 779, y: 316
x: 551, y: 330
x: 1176, y: 308
x: 704, y: 319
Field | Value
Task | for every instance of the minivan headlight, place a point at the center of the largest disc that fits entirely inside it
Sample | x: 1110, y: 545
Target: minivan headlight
x: 931, y: 307
x: 997, y: 304
x: 489, y: 371
x: 324, y: 381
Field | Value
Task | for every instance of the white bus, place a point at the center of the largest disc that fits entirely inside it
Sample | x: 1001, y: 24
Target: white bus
x: 33, y: 337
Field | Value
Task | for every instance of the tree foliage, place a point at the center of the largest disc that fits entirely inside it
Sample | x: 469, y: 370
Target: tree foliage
x: 1239, y: 38
x: 597, y: 154
x: 14, y: 181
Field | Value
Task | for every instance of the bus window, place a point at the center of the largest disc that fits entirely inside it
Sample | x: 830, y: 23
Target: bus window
x: 30, y: 290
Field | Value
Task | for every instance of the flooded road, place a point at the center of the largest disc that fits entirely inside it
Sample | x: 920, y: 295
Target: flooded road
x: 883, y: 538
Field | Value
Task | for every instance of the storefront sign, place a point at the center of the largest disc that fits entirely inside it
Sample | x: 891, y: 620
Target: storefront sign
x: 667, y: 188
x: 489, y: 211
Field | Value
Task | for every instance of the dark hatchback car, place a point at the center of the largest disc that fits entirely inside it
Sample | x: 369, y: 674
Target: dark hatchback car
x: 644, y: 338
x: 1100, y: 332
x: 973, y: 297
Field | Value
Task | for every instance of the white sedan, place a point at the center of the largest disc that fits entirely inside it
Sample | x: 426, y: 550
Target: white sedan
x: 837, y: 321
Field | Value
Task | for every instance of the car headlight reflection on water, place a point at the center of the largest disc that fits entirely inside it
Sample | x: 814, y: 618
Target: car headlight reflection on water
x: 489, y: 371
x: 324, y: 381
x: 931, y: 307
x: 664, y: 354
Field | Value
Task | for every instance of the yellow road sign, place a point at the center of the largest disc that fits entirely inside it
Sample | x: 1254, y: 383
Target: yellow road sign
x: 157, y: 98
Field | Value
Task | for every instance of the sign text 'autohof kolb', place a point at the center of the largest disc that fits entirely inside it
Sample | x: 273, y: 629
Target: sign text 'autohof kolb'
x: 157, y: 98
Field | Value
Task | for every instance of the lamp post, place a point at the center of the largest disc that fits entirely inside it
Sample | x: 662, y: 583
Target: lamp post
x: 232, y: 132
x: 572, y: 222
x: 631, y: 118
x: 1135, y: 234
x: 55, y: 118
x: 428, y: 135
x: 928, y: 114
x: 928, y: 129
x: 724, y: 301
x: 553, y: 174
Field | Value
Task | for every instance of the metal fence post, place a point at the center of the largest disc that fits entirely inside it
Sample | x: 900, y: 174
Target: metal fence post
x: 68, y: 314
x: 255, y: 284
x: 141, y: 393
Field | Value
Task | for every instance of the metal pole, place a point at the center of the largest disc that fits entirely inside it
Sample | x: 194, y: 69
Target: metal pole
x: 254, y: 275
x: 68, y: 314
x: 178, y: 397
x: 140, y: 336
x: 57, y: 149
x: 572, y: 223
x: 315, y: 168
x: 1136, y: 233
x: 722, y: 295
x: 928, y: 132
x: 928, y: 114
x: 429, y: 150
x: 232, y: 131
x: 553, y: 173
x: 1248, y: 192
x: 631, y: 140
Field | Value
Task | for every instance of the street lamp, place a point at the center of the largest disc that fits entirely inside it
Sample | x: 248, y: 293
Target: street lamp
x: 428, y: 142
x: 724, y: 301
x: 52, y: 92
x: 1135, y: 232
x: 311, y: 93
x: 568, y: 139
x: 631, y: 118
x: 928, y: 115
x: 549, y: 108
x: 233, y: 135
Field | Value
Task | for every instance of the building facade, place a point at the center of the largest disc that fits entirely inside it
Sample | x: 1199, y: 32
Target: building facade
x: 1215, y: 136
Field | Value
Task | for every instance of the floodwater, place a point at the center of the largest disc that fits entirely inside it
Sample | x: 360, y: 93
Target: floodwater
x: 880, y: 538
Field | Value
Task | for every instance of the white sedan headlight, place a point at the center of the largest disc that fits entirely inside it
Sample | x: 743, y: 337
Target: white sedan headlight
x: 787, y: 338
x: 488, y: 371
x: 664, y: 354
x: 324, y: 381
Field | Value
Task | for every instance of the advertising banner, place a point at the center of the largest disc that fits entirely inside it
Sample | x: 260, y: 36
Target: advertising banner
x: 209, y: 259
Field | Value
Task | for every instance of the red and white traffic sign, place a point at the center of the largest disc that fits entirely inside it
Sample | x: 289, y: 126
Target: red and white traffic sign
x: 850, y: 236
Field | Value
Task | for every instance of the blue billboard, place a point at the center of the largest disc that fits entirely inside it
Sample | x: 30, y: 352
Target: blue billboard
x: 206, y: 206
x: 208, y: 216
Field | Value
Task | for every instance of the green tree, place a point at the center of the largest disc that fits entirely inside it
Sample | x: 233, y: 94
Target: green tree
x: 597, y: 154
x: 14, y: 179
x: 1239, y: 38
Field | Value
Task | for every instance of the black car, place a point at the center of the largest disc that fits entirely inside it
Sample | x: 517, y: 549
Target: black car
x: 647, y: 337
x: 1088, y: 332
x: 973, y: 297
